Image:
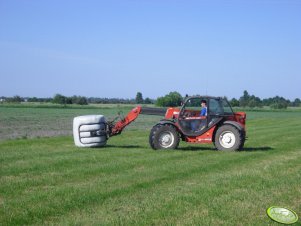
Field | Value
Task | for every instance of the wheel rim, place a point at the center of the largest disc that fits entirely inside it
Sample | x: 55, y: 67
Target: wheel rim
x: 166, y: 139
x: 227, y: 139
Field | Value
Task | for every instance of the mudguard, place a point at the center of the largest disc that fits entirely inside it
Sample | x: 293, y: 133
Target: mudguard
x: 166, y: 121
x: 235, y: 124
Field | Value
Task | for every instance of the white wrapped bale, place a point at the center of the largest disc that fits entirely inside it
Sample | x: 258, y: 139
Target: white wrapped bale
x: 92, y: 127
x: 90, y: 140
x: 89, y: 131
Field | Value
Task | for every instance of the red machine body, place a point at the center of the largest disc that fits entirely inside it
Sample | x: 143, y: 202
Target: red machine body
x: 208, y: 136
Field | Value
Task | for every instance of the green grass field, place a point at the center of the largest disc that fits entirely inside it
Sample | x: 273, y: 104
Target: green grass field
x: 49, y: 181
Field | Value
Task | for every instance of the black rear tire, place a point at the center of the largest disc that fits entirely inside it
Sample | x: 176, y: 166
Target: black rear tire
x: 229, y: 138
x: 243, y: 139
x: 164, y: 137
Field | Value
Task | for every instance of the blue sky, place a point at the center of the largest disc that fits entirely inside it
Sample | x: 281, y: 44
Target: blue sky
x: 117, y: 48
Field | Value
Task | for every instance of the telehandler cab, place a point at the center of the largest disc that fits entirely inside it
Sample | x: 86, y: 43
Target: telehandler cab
x: 222, y: 127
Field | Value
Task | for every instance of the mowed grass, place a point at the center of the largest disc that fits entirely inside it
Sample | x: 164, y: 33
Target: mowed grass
x: 49, y: 181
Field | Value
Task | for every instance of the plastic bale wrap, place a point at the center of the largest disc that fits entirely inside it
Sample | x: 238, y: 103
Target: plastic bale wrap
x: 89, y: 131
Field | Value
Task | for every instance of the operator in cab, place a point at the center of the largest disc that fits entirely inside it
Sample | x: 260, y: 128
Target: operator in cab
x: 204, y: 108
x: 199, y: 124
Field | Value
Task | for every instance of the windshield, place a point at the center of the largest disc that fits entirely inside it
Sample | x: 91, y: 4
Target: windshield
x: 193, y: 104
x: 227, y: 108
x: 219, y: 107
x: 216, y: 106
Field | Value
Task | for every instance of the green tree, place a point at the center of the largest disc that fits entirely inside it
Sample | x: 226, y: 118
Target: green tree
x: 172, y: 99
x: 33, y: 99
x: 148, y: 101
x: 139, y: 98
x: 59, y: 99
x: 15, y: 99
x: 82, y: 100
x: 296, y: 103
x: 68, y: 100
x: 279, y: 103
x: 234, y: 102
x: 243, y: 101
x: 254, y: 102
x: 249, y: 101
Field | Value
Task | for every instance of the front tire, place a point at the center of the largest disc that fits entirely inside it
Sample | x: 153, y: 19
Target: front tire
x: 164, y: 137
x: 228, y: 138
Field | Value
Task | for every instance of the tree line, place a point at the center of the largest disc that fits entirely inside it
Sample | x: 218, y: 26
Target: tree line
x: 245, y: 101
x: 170, y: 100
x: 80, y: 100
x: 251, y: 101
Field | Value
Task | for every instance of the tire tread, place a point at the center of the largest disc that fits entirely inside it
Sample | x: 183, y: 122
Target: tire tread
x: 156, y: 130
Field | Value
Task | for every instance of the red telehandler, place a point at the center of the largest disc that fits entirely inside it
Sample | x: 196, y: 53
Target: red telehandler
x: 222, y: 127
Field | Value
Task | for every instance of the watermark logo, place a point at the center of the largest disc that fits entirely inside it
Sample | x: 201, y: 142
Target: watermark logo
x: 282, y: 215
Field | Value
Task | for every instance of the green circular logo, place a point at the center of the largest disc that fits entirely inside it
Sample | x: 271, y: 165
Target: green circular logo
x: 282, y: 215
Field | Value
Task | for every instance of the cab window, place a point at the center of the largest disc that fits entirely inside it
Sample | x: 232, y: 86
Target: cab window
x: 193, y: 105
x: 220, y: 107
x: 215, y: 107
x: 227, y: 108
